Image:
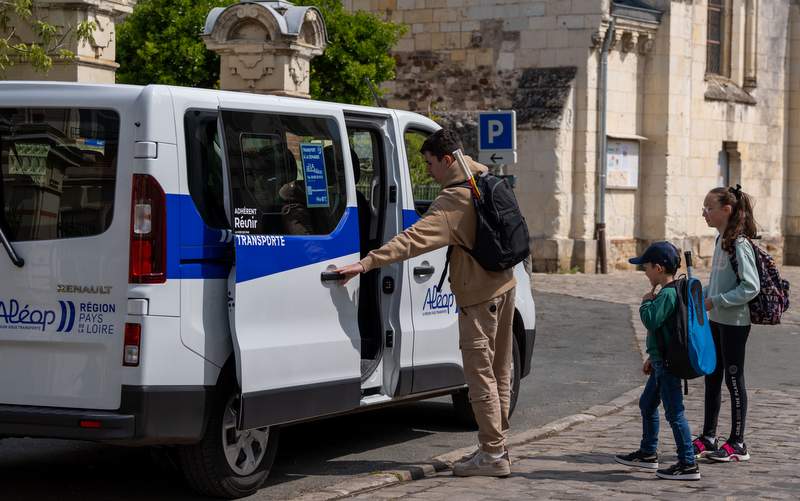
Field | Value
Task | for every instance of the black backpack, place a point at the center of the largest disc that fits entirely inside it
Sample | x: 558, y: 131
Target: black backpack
x: 501, y: 234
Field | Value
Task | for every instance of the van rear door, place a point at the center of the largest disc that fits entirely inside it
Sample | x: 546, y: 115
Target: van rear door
x: 62, y: 312
x: 292, y: 209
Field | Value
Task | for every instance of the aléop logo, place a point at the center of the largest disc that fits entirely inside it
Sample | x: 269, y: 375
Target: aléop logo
x: 15, y: 315
x: 437, y: 303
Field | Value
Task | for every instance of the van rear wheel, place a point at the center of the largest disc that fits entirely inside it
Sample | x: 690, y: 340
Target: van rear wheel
x: 462, y: 407
x: 228, y: 462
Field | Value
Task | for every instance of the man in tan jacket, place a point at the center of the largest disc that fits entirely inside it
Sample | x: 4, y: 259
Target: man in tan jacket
x: 485, y: 300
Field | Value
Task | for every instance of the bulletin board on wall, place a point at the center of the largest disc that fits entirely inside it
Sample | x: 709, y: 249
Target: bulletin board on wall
x: 623, y: 164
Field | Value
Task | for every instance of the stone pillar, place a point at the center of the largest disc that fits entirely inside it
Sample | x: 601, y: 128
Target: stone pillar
x: 792, y: 219
x: 95, y: 61
x: 266, y: 47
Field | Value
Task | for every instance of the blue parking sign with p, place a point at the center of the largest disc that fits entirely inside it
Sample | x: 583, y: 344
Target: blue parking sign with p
x: 496, y: 130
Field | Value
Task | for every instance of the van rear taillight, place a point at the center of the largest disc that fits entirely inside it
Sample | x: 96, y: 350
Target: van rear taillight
x: 133, y: 345
x: 148, y: 255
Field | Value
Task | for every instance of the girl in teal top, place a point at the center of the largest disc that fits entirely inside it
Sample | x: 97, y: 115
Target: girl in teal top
x: 730, y: 211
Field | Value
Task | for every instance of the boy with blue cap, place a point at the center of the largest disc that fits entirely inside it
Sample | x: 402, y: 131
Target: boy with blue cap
x: 660, y: 263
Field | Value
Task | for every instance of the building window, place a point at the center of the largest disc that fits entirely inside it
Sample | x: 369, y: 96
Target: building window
x: 716, y: 39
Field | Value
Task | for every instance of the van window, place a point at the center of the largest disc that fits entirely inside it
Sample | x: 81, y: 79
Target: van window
x: 204, y: 166
x: 58, y: 171
x: 286, y: 172
x: 365, y: 147
x: 423, y: 185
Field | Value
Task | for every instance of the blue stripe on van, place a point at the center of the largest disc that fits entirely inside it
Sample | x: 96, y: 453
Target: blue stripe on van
x: 197, y: 251
x: 194, y: 250
x: 409, y: 217
x: 256, y: 261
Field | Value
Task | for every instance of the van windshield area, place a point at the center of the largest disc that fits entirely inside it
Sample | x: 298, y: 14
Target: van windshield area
x: 58, y: 172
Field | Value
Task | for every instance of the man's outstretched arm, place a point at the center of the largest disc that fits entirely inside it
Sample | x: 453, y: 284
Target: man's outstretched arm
x: 429, y: 233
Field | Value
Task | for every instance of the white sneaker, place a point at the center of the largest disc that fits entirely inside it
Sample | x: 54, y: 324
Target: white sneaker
x: 484, y: 465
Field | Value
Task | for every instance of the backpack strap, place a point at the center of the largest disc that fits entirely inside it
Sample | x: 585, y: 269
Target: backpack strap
x: 446, y: 266
x: 735, y: 263
x: 464, y: 184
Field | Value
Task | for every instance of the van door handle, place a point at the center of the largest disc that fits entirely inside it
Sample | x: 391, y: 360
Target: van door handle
x: 424, y: 270
x: 330, y: 276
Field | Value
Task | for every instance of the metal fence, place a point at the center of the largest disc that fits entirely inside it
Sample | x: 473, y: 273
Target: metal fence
x: 423, y: 192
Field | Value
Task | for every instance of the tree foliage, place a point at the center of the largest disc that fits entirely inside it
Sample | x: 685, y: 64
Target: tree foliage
x: 160, y: 43
x: 49, y: 41
x: 357, y: 57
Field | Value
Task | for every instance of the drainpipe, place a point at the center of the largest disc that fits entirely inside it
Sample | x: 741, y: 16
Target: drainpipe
x: 601, y: 265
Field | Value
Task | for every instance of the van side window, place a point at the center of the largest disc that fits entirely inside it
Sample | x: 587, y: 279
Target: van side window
x: 424, y: 187
x: 58, y: 172
x: 204, y: 166
x: 286, y: 172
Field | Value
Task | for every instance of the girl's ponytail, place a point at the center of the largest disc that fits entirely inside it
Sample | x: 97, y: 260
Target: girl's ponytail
x: 741, y: 222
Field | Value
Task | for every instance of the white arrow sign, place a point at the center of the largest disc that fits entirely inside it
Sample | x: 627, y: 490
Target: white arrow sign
x: 492, y: 157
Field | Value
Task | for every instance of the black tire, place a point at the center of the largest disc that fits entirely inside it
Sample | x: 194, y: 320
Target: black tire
x: 462, y: 407
x: 205, y: 465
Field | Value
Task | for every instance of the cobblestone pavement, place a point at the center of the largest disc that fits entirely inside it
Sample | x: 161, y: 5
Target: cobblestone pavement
x: 577, y: 463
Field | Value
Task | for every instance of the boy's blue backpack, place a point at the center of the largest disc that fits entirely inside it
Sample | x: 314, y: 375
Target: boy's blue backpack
x: 690, y: 352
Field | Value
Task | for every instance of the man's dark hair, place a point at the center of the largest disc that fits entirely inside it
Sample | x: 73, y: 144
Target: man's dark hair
x: 440, y: 143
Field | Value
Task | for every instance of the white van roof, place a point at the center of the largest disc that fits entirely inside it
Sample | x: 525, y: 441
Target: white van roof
x: 46, y: 93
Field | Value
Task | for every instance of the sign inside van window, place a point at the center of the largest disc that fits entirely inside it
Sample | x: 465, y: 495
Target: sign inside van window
x: 314, y: 173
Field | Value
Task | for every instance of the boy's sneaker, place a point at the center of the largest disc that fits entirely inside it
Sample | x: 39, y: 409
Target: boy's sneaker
x: 704, y: 447
x: 638, y: 459
x: 680, y: 471
x: 483, y: 464
x: 730, y: 452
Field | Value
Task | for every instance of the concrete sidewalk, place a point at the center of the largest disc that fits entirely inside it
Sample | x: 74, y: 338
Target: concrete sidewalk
x: 577, y: 462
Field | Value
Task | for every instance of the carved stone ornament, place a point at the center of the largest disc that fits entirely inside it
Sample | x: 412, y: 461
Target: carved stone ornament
x: 266, y: 47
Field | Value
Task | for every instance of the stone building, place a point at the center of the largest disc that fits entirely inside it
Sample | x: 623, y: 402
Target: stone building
x: 700, y: 93
x: 95, y: 60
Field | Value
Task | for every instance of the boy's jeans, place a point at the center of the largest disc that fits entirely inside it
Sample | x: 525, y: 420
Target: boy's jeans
x: 662, y: 386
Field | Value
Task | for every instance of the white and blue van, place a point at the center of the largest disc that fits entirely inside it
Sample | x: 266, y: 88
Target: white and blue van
x: 166, y: 271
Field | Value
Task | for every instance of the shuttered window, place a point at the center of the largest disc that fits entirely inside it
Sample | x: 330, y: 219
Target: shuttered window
x: 716, y: 37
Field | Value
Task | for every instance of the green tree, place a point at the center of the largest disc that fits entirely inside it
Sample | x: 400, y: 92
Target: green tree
x: 49, y: 42
x: 357, y: 56
x: 160, y: 43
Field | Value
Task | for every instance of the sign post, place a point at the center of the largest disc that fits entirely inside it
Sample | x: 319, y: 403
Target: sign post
x: 497, y: 137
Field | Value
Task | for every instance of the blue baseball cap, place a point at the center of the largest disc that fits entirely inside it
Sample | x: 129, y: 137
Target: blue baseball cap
x: 663, y: 253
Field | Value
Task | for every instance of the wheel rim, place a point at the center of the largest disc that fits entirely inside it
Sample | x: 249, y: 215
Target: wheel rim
x: 244, y: 450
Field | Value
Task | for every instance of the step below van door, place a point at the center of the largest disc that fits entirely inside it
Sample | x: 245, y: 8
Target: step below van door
x: 291, y: 204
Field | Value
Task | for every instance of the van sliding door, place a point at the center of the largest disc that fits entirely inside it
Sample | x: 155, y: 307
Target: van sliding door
x: 292, y: 211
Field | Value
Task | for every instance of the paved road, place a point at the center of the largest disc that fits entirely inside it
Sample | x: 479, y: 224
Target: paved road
x: 585, y: 354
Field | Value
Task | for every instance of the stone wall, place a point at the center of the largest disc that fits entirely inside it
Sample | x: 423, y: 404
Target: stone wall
x: 465, y: 55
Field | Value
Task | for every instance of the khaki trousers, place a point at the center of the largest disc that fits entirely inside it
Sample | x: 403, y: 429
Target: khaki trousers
x: 485, y: 331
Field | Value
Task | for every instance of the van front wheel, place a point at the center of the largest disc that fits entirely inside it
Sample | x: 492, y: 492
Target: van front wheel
x: 462, y: 407
x: 228, y: 462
